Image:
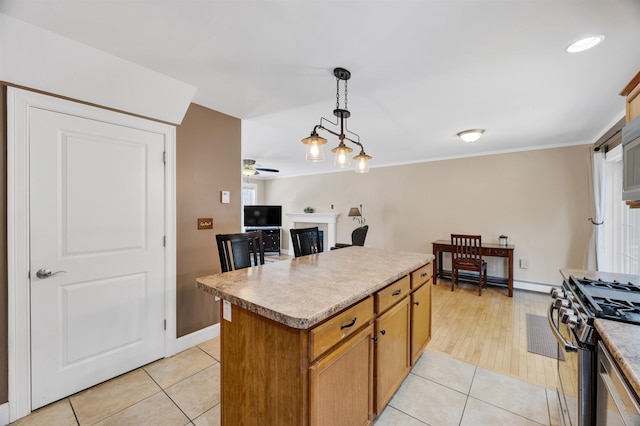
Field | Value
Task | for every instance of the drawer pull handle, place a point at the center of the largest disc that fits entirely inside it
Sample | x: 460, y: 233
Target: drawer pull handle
x: 397, y: 292
x: 383, y: 332
x: 424, y: 274
x: 342, y: 327
x: 417, y: 303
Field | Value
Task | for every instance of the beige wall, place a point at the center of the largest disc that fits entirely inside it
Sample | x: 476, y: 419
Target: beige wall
x: 208, y: 162
x: 538, y: 198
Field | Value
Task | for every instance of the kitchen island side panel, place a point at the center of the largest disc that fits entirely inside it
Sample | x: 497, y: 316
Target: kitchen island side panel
x: 264, y: 371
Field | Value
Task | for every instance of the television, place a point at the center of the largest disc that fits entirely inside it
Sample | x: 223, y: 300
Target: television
x: 262, y: 216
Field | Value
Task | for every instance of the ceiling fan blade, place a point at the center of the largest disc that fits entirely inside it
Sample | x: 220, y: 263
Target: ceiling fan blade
x: 267, y: 170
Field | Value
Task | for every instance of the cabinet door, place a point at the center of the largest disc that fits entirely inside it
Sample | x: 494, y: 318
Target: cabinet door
x: 420, y: 320
x: 341, y: 384
x: 392, y: 351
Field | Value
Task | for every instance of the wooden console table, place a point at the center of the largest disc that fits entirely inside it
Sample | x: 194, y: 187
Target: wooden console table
x: 488, y: 249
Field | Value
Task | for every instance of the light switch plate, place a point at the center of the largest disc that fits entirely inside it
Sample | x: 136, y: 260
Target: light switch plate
x: 225, y: 197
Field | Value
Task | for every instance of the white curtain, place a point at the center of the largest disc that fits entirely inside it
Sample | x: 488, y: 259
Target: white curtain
x: 596, y: 253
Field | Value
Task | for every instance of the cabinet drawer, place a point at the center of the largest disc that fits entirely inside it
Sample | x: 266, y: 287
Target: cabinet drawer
x: 327, y: 334
x: 499, y: 252
x: 422, y: 275
x: 392, y: 294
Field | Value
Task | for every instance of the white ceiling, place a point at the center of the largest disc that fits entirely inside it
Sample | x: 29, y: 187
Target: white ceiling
x: 421, y: 70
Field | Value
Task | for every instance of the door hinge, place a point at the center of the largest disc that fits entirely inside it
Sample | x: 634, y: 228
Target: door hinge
x: 164, y: 241
x: 164, y: 157
x: 165, y: 324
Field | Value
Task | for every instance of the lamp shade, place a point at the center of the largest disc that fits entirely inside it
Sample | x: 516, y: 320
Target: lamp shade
x: 342, y: 159
x: 354, y: 211
x: 362, y: 162
x: 315, y: 151
x: 471, y: 135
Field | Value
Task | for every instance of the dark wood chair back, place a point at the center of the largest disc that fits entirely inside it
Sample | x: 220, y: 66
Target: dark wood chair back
x: 305, y: 241
x: 242, y: 250
x: 466, y: 254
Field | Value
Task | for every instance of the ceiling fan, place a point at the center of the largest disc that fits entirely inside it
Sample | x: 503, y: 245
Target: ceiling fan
x: 250, y: 168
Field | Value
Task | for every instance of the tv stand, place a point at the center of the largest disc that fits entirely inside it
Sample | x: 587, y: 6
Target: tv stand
x: 270, y: 237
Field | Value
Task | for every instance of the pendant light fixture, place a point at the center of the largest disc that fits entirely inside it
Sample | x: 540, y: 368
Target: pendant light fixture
x: 315, y: 150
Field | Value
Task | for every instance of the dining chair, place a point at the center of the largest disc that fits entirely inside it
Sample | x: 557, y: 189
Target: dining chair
x: 242, y: 250
x: 466, y: 255
x: 305, y: 241
x: 357, y: 238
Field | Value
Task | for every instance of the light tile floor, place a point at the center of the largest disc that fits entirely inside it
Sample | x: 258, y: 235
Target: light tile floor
x: 184, y: 390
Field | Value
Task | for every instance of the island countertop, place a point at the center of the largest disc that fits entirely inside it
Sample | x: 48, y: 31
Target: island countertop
x: 301, y: 292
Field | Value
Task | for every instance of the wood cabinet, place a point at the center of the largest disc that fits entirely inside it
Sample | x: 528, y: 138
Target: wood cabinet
x: 341, y: 384
x: 392, y: 351
x: 420, y: 320
x: 632, y: 92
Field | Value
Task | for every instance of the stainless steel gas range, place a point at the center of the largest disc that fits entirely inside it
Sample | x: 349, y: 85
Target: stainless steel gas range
x: 571, y: 316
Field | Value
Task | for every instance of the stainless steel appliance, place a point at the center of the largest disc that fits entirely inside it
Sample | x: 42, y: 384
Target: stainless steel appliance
x: 571, y: 314
x: 617, y: 404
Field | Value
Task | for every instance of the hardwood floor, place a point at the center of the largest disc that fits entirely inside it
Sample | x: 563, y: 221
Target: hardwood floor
x: 490, y: 331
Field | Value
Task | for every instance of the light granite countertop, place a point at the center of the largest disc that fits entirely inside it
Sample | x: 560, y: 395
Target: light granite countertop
x: 301, y: 292
x: 621, y: 339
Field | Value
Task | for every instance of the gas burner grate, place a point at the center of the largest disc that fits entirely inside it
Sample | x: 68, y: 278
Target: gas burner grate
x: 620, y: 310
x: 614, y: 285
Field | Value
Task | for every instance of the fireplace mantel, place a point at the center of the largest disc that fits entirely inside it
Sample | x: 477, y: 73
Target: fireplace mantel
x: 328, y: 218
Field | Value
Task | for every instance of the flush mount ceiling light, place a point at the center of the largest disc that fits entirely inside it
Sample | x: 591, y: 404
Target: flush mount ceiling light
x: 314, y: 142
x: 584, y: 44
x: 470, y: 135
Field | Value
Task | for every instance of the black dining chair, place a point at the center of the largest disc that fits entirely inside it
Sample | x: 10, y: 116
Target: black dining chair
x: 466, y: 254
x: 305, y: 241
x: 242, y: 250
x: 357, y: 238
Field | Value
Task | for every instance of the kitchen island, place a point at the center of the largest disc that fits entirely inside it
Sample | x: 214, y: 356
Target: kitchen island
x: 320, y: 339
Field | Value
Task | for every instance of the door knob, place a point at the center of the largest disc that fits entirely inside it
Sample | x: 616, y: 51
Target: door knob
x: 46, y: 273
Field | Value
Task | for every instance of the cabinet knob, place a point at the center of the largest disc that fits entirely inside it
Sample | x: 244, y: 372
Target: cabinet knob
x: 417, y: 303
x: 375, y: 339
x: 383, y: 332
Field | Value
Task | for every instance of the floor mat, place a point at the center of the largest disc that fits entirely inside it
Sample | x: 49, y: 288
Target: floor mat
x: 540, y: 339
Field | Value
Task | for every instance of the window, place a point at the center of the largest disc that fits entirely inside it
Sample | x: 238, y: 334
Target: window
x: 622, y: 224
x: 249, y: 194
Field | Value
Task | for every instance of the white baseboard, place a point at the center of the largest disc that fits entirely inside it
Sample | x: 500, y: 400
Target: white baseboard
x: 537, y: 287
x: 193, y: 339
x: 4, y: 414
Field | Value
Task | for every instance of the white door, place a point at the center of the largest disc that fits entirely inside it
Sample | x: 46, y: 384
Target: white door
x: 97, y: 223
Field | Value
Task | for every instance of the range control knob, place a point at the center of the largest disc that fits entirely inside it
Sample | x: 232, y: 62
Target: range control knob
x: 561, y: 303
x: 555, y: 293
x: 572, y: 321
x: 565, y: 314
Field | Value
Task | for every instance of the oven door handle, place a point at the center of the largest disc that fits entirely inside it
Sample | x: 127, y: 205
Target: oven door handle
x: 568, y: 346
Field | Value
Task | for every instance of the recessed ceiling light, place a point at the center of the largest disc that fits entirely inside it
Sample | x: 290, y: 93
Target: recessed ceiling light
x: 584, y: 44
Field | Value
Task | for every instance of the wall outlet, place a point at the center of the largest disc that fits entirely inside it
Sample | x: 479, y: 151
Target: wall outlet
x: 225, y: 197
x: 524, y: 263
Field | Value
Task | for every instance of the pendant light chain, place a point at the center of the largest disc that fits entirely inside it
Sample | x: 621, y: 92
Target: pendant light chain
x: 337, y: 93
x: 345, y: 95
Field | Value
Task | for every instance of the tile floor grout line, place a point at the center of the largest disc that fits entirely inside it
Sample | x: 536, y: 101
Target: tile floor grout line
x: 403, y: 412
x: 508, y: 411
